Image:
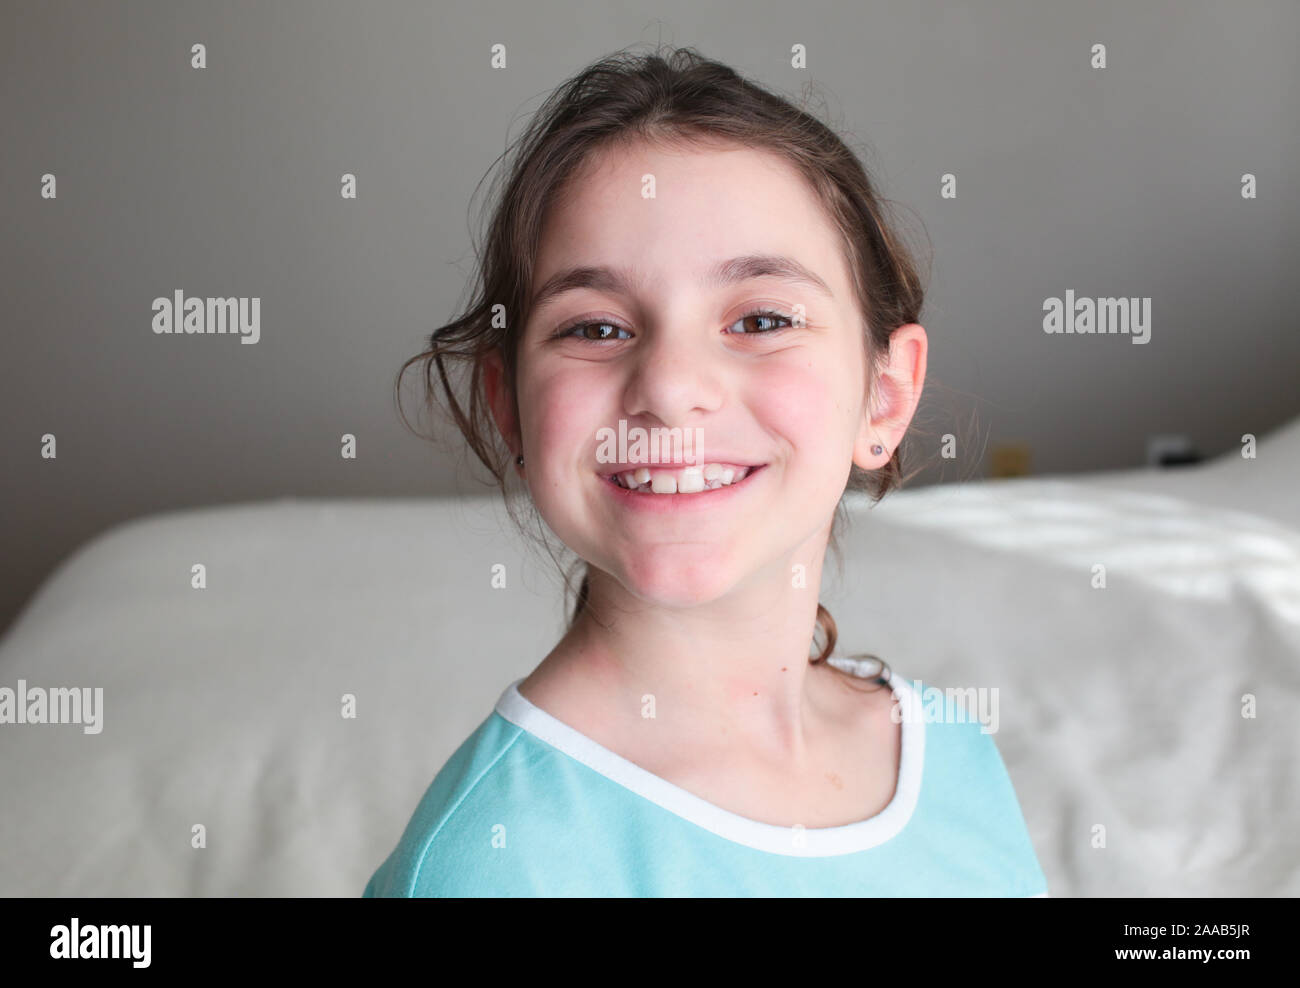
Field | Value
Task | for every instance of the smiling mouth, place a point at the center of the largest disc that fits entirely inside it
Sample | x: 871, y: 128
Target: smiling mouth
x: 687, y: 480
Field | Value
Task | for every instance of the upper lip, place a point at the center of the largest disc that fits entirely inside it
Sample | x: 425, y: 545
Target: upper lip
x: 610, y: 469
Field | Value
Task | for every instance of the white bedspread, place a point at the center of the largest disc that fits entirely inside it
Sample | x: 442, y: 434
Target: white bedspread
x: 1120, y: 709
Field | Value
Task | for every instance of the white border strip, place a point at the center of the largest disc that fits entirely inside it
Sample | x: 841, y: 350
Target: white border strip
x: 791, y: 841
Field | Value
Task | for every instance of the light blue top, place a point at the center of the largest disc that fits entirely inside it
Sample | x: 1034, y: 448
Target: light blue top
x: 528, y: 806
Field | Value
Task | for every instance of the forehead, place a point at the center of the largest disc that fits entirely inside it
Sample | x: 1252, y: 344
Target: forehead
x: 708, y: 202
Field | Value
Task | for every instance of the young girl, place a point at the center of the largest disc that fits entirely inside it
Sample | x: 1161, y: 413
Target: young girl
x: 679, y: 253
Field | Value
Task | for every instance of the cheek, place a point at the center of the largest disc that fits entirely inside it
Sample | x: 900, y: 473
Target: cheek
x: 561, y: 410
x: 807, y: 400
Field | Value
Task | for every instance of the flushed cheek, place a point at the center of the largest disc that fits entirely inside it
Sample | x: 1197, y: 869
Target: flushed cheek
x: 803, y: 404
x: 561, y: 423
x: 807, y: 417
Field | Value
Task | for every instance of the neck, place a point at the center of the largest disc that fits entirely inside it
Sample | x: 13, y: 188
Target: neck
x: 735, y: 671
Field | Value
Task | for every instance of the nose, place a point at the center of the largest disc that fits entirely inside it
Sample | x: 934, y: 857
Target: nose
x: 673, y: 377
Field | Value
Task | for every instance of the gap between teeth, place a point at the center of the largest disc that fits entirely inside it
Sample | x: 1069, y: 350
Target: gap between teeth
x: 689, y: 480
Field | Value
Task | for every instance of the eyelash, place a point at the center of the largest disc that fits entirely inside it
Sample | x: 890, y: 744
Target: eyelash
x: 765, y: 313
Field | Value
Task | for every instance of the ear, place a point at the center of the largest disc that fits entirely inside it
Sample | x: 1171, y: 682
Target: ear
x: 500, y: 398
x: 890, y: 407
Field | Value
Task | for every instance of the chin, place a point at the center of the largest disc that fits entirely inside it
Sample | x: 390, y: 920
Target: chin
x: 679, y: 583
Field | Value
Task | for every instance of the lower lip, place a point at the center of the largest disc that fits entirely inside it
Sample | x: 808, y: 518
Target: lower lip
x: 706, y: 498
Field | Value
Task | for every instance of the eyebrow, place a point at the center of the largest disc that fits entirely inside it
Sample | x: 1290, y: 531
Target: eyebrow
x: 728, y: 272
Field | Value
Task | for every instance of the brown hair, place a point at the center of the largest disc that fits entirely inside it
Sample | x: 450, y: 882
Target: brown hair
x: 668, y: 96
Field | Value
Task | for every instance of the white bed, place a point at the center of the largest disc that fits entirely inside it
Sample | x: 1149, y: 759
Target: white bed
x: 1119, y: 708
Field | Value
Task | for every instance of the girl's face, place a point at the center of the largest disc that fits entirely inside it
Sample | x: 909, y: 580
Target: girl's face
x: 668, y: 344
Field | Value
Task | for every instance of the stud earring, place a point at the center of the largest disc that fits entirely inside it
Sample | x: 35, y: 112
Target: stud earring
x: 877, y: 449
x: 520, y: 459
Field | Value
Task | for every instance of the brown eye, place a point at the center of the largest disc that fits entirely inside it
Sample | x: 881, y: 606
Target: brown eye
x: 597, y: 331
x: 603, y: 330
x: 761, y: 322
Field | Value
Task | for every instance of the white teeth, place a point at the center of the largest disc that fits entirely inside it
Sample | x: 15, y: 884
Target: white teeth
x: 692, y: 481
x: 689, y: 480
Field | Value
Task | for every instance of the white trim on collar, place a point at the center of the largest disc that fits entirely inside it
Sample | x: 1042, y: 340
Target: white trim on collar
x: 792, y: 841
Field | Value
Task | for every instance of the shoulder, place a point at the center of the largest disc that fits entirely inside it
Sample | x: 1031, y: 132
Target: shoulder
x: 965, y: 779
x: 455, y: 819
x: 509, y: 815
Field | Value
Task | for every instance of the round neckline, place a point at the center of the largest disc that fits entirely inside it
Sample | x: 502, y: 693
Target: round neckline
x: 848, y: 838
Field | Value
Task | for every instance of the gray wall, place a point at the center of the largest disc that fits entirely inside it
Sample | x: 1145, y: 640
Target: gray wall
x: 1122, y: 181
